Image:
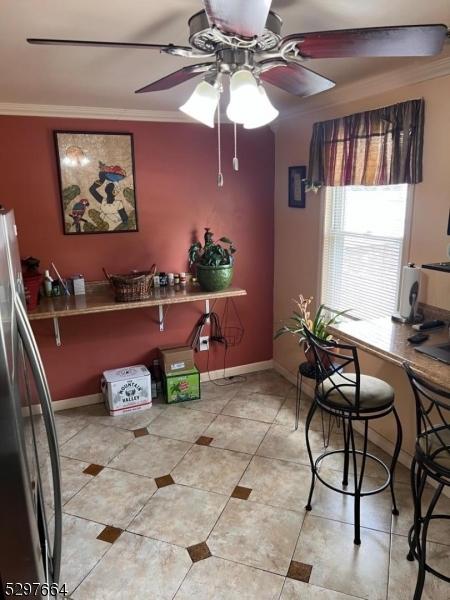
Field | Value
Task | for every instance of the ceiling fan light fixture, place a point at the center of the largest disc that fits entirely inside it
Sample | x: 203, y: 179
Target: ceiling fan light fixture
x: 263, y: 112
x: 243, y: 96
x: 202, y: 103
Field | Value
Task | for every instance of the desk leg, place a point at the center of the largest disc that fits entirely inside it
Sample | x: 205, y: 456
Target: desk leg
x: 56, y: 328
x: 161, y: 317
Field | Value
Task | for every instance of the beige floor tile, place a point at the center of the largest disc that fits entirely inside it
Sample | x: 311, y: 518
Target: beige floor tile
x: 179, y: 424
x: 277, y: 482
x: 237, y: 434
x: 285, y: 443
x: 179, y: 515
x: 150, y: 456
x: 112, y: 497
x: 96, y: 413
x: 211, y: 469
x: 136, y: 567
x: 376, y: 510
x: 257, y: 535
x: 72, y: 478
x: 81, y: 550
x: 96, y: 444
x: 253, y: 405
x: 403, y: 573
x: 218, y: 579
x: 213, y: 397
x: 297, y: 590
x: 341, y: 566
x: 286, y: 416
x: 438, y: 531
x: 267, y: 382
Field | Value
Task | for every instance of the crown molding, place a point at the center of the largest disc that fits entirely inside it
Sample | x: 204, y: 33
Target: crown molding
x: 371, y: 86
x: 363, y: 88
x: 92, y: 112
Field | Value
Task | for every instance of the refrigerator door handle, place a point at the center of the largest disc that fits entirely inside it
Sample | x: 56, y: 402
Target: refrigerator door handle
x: 29, y: 342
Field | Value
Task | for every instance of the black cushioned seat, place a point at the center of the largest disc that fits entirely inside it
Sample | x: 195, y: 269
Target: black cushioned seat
x: 374, y: 394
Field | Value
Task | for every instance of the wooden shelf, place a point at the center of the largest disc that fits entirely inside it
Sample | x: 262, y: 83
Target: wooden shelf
x: 99, y: 298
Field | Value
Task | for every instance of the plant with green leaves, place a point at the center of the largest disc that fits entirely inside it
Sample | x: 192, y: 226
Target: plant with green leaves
x: 211, y: 254
x: 301, y: 317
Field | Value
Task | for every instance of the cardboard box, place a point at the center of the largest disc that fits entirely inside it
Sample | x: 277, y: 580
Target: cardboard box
x: 126, y: 390
x: 182, y: 387
x: 177, y: 359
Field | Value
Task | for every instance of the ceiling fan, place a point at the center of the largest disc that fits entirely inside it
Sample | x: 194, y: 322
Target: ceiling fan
x: 245, y: 37
x: 242, y: 39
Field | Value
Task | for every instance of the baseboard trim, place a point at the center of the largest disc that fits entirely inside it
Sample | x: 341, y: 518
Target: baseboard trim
x: 78, y: 401
x: 239, y: 370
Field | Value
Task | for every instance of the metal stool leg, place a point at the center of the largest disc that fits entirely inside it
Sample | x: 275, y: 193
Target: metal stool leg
x: 298, y: 398
x: 423, y: 550
x: 358, y: 481
x: 415, y: 480
x: 346, y: 432
x: 311, y: 412
x: 398, y: 445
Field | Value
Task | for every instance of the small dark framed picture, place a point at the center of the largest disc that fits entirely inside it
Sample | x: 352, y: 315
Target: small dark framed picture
x: 297, y: 181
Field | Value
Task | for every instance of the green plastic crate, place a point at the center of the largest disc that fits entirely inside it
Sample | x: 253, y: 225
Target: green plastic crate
x: 182, y: 387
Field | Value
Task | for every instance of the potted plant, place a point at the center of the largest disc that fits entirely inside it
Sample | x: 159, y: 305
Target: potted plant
x: 213, y: 262
x: 318, y: 325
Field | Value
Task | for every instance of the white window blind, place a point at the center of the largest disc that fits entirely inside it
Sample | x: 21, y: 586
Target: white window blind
x: 363, y: 244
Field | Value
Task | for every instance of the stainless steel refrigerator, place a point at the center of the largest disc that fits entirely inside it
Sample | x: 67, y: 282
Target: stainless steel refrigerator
x: 30, y: 491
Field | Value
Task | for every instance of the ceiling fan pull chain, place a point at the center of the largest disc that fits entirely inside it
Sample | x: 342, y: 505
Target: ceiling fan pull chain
x: 219, y: 154
x: 235, y: 158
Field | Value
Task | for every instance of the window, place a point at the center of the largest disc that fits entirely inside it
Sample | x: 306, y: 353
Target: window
x: 364, y: 232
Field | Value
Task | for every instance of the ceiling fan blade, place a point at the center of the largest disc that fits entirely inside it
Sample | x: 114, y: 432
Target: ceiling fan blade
x: 139, y: 46
x: 175, y: 78
x: 246, y: 18
x: 294, y: 78
x: 407, y: 40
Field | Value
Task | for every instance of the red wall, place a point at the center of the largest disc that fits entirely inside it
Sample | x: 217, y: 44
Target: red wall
x: 177, y: 196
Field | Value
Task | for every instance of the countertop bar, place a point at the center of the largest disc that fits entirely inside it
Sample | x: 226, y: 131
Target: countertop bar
x: 388, y: 340
x: 99, y: 297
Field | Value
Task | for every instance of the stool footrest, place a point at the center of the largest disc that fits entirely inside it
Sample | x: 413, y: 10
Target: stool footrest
x: 349, y: 493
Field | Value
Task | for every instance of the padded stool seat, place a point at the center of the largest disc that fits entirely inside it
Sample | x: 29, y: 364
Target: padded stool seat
x: 374, y: 394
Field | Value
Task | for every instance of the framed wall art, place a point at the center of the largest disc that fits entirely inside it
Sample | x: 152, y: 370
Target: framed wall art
x: 97, y: 182
x: 297, y: 177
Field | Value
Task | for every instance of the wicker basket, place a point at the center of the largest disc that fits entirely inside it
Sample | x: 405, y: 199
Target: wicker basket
x: 132, y: 287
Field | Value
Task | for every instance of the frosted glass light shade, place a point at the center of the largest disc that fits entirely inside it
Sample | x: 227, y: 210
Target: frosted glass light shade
x: 243, y: 96
x: 202, y: 103
x: 263, y: 112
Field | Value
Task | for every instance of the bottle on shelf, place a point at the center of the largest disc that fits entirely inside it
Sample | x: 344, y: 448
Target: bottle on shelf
x: 48, y: 283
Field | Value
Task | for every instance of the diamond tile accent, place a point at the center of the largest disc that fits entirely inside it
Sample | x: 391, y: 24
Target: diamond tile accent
x: 93, y: 469
x: 110, y: 534
x: 204, y: 440
x: 140, y: 432
x: 164, y: 481
x: 199, y: 552
x: 242, y: 493
x: 299, y: 571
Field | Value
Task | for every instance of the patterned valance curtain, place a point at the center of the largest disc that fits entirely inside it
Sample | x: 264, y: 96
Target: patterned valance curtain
x: 376, y: 147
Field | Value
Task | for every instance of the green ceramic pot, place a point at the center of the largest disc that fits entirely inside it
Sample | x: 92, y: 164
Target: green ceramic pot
x: 214, y: 279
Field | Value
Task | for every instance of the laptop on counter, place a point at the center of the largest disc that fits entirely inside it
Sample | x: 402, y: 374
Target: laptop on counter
x: 439, y: 352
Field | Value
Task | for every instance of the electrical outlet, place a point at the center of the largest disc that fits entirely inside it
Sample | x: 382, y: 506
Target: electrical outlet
x: 203, y: 343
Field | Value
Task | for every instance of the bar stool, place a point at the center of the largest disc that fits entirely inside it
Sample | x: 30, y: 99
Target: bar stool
x: 431, y: 461
x: 352, y: 397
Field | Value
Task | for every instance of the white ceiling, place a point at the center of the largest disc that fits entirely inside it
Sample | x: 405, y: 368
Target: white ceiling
x: 99, y: 77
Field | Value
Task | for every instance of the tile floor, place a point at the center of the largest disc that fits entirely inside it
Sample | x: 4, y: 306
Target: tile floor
x: 205, y: 500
